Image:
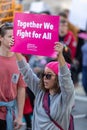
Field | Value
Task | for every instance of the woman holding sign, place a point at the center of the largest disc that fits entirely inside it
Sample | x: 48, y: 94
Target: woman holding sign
x: 54, y: 93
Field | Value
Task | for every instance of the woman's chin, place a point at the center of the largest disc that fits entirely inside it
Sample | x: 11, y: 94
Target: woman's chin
x: 63, y: 33
x: 47, y: 87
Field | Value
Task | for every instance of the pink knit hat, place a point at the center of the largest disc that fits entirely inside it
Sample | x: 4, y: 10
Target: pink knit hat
x: 54, y: 66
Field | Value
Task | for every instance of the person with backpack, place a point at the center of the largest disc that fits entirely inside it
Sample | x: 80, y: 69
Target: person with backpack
x: 54, y: 93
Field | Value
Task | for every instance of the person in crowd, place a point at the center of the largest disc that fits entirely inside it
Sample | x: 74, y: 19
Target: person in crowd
x: 84, y: 64
x: 55, y: 89
x: 71, y: 26
x: 12, y: 86
x: 66, y: 36
x: 78, y: 57
x: 77, y: 66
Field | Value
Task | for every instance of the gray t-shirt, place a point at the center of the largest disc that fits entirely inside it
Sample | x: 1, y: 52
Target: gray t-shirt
x: 60, y: 104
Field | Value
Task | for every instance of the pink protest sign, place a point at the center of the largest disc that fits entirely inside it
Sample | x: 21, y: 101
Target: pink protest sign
x: 35, y: 34
x: 83, y: 36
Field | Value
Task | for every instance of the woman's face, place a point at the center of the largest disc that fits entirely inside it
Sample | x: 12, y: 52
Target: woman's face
x: 49, y: 78
x: 63, y: 28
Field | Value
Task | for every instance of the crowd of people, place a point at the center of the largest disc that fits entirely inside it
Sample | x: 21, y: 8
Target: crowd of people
x: 31, y: 83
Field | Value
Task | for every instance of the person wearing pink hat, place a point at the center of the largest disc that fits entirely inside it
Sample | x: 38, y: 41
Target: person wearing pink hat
x: 54, y: 92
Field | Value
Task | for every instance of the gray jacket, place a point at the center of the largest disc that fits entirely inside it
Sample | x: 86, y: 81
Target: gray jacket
x: 60, y: 104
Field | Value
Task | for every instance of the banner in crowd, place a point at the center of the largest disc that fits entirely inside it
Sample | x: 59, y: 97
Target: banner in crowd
x: 35, y: 34
x: 7, y: 10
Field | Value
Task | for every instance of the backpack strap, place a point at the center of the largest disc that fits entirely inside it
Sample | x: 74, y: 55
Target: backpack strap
x: 71, y: 125
x: 46, y: 106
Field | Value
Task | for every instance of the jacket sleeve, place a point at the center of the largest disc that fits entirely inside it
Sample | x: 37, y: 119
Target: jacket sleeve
x: 29, y: 76
x: 67, y: 88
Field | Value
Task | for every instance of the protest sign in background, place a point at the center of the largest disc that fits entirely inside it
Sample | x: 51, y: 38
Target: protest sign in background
x: 7, y: 10
x: 35, y: 34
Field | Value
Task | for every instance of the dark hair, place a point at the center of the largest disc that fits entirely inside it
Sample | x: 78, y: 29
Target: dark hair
x: 43, y: 12
x: 56, y: 85
x: 67, y: 54
x: 46, y: 12
x: 63, y: 14
x: 4, y: 27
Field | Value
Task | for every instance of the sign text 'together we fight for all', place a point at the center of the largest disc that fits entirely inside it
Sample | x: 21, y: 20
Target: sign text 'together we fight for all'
x: 34, y: 34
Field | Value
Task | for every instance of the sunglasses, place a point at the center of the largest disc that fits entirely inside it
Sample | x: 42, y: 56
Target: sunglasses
x: 63, y: 21
x: 6, y: 24
x: 47, y: 76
